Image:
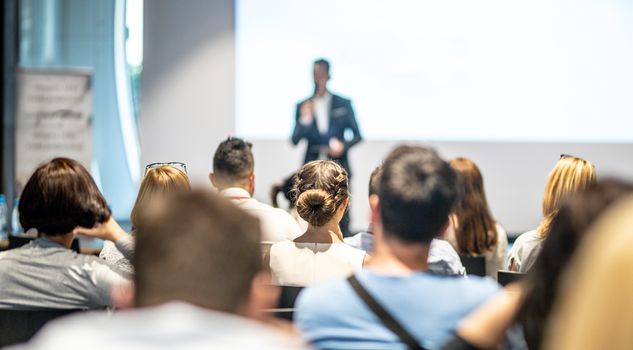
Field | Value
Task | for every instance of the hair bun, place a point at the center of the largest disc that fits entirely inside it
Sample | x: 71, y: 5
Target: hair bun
x: 315, y: 206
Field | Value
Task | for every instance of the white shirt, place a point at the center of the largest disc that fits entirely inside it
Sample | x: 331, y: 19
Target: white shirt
x: 322, y: 112
x: 302, y: 264
x: 276, y: 224
x: 524, y: 251
x: 112, y: 255
x: 175, y: 325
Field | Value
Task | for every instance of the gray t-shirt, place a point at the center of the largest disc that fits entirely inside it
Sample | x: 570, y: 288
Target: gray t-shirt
x: 45, y: 275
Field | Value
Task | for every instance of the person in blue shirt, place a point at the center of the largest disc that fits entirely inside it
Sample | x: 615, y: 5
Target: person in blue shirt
x: 416, y: 194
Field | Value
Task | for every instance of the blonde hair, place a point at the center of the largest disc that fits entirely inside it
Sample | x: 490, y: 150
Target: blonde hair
x: 157, y: 182
x: 595, y: 309
x: 570, y: 174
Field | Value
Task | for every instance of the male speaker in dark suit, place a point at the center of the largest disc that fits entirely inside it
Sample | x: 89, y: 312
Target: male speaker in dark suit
x: 325, y: 120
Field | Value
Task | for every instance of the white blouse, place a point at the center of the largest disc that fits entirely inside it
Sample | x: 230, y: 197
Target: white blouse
x: 302, y: 264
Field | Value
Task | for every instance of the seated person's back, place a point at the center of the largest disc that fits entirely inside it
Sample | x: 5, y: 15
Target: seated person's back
x: 416, y: 193
x: 234, y: 176
x: 312, y: 262
x: 431, y: 305
x: 319, y: 254
x: 46, y: 274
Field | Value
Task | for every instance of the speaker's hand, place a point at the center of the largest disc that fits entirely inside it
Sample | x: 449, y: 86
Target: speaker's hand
x: 306, y: 113
x: 336, y: 148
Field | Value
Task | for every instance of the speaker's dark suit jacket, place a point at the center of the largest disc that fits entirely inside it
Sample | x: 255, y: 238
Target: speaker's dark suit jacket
x: 341, y: 119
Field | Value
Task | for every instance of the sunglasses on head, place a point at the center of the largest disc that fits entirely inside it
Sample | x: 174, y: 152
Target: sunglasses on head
x: 178, y: 165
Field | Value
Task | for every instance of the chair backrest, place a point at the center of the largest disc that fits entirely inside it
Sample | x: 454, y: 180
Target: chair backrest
x: 17, y: 242
x: 287, y: 299
x: 506, y: 277
x: 18, y: 326
x: 475, y: 265
x: 265, y: 246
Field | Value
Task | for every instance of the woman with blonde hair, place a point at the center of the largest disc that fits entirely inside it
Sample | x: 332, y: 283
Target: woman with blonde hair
x: 321, y: 193
x: 160, y: 180
x: 474, y: 231
x: 595, y: 308
x: 570, y: 174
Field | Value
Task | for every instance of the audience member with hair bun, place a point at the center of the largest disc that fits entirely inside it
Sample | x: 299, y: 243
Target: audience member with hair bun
x: 570, y: 174
x: 158, y: 182
x: 321, y: 193
x: 59, y: 200
x: 473, y: 231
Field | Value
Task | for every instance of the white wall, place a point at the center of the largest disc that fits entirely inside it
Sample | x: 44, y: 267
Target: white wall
x: 188, y: 108
x: 188, y: 82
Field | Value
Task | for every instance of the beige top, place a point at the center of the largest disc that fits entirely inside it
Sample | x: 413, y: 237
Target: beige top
x: 302, y: 264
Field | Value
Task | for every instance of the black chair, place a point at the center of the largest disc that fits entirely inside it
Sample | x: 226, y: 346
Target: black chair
x: 506, y: 277
x: 286, y: 307
x: 18, y: 326
x: 475, y: 265
x: 18, y: 241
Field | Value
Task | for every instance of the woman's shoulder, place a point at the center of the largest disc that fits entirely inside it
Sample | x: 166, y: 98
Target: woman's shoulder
x: 527, y: 237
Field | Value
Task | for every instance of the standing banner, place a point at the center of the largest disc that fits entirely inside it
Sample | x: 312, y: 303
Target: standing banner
x: 53, y: 118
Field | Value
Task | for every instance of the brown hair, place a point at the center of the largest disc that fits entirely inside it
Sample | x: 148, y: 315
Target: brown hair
x: 200, y: 249
x: 320, y: 187
x: 594, y: 309
x: 476, y: 232
x: 569, y: 175
x: 157, y: 182
x: 59, y: 196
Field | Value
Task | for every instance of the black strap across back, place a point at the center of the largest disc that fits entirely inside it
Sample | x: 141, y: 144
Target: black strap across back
x: 384, y: 316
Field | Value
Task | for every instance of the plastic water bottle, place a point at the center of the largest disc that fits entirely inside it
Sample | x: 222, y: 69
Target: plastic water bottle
x: 16, y: 228
x: 3, y: 218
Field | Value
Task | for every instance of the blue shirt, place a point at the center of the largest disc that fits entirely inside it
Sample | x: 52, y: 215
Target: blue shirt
x: 332, y: 316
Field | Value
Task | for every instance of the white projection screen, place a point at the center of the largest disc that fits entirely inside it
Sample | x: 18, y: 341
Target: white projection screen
x: 460, y: 70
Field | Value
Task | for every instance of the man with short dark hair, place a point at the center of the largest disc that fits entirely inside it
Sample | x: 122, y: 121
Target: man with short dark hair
x: 234, y: 176
x: 198, y: 281
x: 442, y: 259
x: 416, y: 194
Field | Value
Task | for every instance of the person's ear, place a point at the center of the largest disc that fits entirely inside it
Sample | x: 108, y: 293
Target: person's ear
x: 263, y: 295
x: 374, y: 207
x: 213, y: 180
x: 251, y: 183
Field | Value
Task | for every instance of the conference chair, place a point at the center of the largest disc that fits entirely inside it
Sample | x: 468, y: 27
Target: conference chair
x: 18, y: 326
x: 265, y: 245
x: 286, y: 306
x: 506, y: 277
x: 475, y: 265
